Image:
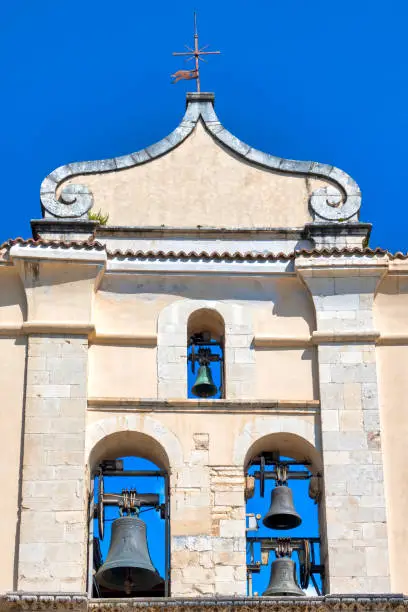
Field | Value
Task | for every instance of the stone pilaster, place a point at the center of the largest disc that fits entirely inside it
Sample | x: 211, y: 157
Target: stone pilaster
x: 52, y: 553
x: 208, y: 527
x: 357, y: 545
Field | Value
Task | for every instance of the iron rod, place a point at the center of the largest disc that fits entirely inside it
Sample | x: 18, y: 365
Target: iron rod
x: 294, y: 542
x: 291, y: 475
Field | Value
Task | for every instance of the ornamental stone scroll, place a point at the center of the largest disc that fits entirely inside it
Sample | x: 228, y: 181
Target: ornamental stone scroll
x: 336, y: 202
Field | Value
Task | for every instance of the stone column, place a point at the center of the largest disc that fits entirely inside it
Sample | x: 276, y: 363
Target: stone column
x: 59, y: 284
x: 343, y: 289
x: 52, y: 554
x: 208, y: 527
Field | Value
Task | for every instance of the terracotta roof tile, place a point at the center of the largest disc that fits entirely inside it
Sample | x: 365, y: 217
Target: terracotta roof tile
x: 251, y: 256
x: 64, y: 244
x: 213, y: 255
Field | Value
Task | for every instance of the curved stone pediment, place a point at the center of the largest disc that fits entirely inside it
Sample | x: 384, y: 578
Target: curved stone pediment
x: 202, y: 176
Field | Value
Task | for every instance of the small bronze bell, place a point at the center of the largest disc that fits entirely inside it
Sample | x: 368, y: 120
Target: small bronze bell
x: 281, y: 513
x: 204, y: 385
x: 128, y: 567
x: 283, y: 579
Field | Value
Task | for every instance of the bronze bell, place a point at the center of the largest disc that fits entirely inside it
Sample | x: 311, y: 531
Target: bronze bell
x: 281, y: 513
x: 204, y: 385
x: 128, y: 567
x: 283, y: 579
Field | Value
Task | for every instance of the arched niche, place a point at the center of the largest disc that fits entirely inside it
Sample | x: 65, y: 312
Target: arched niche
x: 289, y: 445
x: 130, y: 430
x: 123, y: 462
x: 128, y: 443
x: 304, y: 516
x: 205, y: 347
x: 172, y: 328
x: 206, y: 320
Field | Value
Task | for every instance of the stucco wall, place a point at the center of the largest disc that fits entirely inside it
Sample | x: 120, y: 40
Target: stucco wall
x: 200, y: 183
x: 286, y: 374
x: 122, y: 371
x: 391, y: 317
x: 130, y: 304
x: 12, y: 379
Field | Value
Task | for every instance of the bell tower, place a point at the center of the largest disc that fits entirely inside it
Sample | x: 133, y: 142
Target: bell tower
x: 204, y: 386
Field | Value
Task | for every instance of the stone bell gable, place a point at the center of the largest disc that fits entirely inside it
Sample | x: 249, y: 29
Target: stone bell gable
x: 202, y: 177
x: 207, y: 242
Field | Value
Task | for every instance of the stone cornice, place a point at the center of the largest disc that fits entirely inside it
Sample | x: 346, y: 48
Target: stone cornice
x: 336, y: 202
x: 121, y: 404
x: 81, y: 603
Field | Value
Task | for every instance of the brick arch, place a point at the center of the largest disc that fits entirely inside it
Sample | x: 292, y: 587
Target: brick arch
x: 130, y: 434
x: 172, y: 348
x: 293, y: 435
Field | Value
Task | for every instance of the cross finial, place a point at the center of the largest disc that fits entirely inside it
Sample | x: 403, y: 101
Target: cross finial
x: 193, y: 54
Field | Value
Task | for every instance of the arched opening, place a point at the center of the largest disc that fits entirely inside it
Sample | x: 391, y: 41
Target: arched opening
x: 129, y: 517
x: 205, y: 354
x: 285, y: 526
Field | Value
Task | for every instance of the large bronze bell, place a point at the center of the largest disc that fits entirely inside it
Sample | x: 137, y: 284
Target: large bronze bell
x: 281, y: 513
x: 128, y: 567
x: 283, y: 579
x: 204, y: 385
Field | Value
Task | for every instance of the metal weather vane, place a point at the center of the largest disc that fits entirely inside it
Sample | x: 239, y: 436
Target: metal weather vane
x: 193, y: 54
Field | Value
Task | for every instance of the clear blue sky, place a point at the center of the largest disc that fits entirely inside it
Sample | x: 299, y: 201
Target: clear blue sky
x: 306, y: 79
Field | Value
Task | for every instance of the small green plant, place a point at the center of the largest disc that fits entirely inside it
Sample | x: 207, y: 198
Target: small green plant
x: 98, y: 216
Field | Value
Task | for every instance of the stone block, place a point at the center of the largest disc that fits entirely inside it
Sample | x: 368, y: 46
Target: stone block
x: 371, y: 420
x: 229, y: 498
x: 231, y: 588
x: 40, y: 407
x: 350, y: 358
x: 369, y: 394
x: 325, y: 373
x: 206, y: 559
x: 224, y: 545
x: 351, y: 420
x: 193, y: 477
x: 67, y: 425
x: 243, y: 355
x: 184, y: 558
x: 353, y: 396
x: 48, y: 390
x: 377, y: 563
x: 224, y: 573
x: 347, y: 562
x: 337, y: 457
x: 240, y: 544
x: 229, y: 557
x: 330, y: 420
x: 240, y: 574
x: 331, y: 396
x: 196, y: 574
x: 344, y: 440
x: 37, y: 377
x: 201, y: 441
x: 343, y: 302
x: 329, y: 354
x: 232, y: 528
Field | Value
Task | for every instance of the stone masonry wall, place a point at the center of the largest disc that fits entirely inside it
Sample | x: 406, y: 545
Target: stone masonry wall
x: 209, y: 501
x: 351, y: 440
x: 52, y: 555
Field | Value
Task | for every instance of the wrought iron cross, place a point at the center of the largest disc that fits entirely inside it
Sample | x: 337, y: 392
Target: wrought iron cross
x: 193, y: 54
